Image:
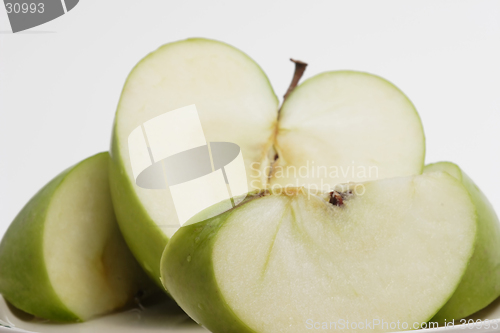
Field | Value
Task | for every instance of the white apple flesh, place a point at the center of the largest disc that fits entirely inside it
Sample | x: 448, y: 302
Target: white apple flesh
x: 346, y: 126
x: 395, y: 252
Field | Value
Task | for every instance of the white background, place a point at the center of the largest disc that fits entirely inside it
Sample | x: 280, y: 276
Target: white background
x: 60, y: 82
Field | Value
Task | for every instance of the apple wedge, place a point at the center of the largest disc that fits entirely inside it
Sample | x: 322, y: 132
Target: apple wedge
x: 480, y: 284
x: 63, y: 258
x: 356, y: 123
x: 394, y: 253
x: 346, y: 126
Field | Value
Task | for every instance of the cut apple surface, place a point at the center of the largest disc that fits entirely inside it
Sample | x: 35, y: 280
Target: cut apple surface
x: 390, y: 250
x: 346, y: 126
x: 235, y: 103
x: 480, y: 284
x: 64, y: 258
x: 356, y: 123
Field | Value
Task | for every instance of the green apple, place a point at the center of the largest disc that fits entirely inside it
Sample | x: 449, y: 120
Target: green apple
x: 389, y: 250
x: 481, y: 283
x: 346, y: 126
x: 336, y: 127
x: 63, y: 258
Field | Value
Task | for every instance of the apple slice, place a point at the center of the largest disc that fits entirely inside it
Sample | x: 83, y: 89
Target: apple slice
x: 347, y: 120
x: 235, y: 103
x: 63, y: 258
x: 346, y: 126
x: 481, y: 283
x: 395, y: 251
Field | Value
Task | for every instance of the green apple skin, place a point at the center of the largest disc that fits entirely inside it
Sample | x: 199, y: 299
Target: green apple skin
x: 28, y: 277
x: 29, y: 288
x: 143, y: 236
x: 481, y: 283
x: 206, y: 305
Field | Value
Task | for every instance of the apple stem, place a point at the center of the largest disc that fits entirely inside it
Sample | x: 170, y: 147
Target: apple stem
x: 300, y: 68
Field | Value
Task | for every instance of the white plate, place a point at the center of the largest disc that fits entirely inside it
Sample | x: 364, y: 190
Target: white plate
x: 156, y: 315
x: 163, y: 315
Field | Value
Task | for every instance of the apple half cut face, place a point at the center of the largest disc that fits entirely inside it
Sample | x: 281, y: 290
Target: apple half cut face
x: 63, y: 258
x: 334, y: 128
x: 278, y: 262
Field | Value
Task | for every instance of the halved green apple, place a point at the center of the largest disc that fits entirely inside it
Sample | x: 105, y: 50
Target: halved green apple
x: 346, y: 126
x: 63, y: 258
x: 356, y: 123
x: 391, y: 250
x: 481, y: 283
